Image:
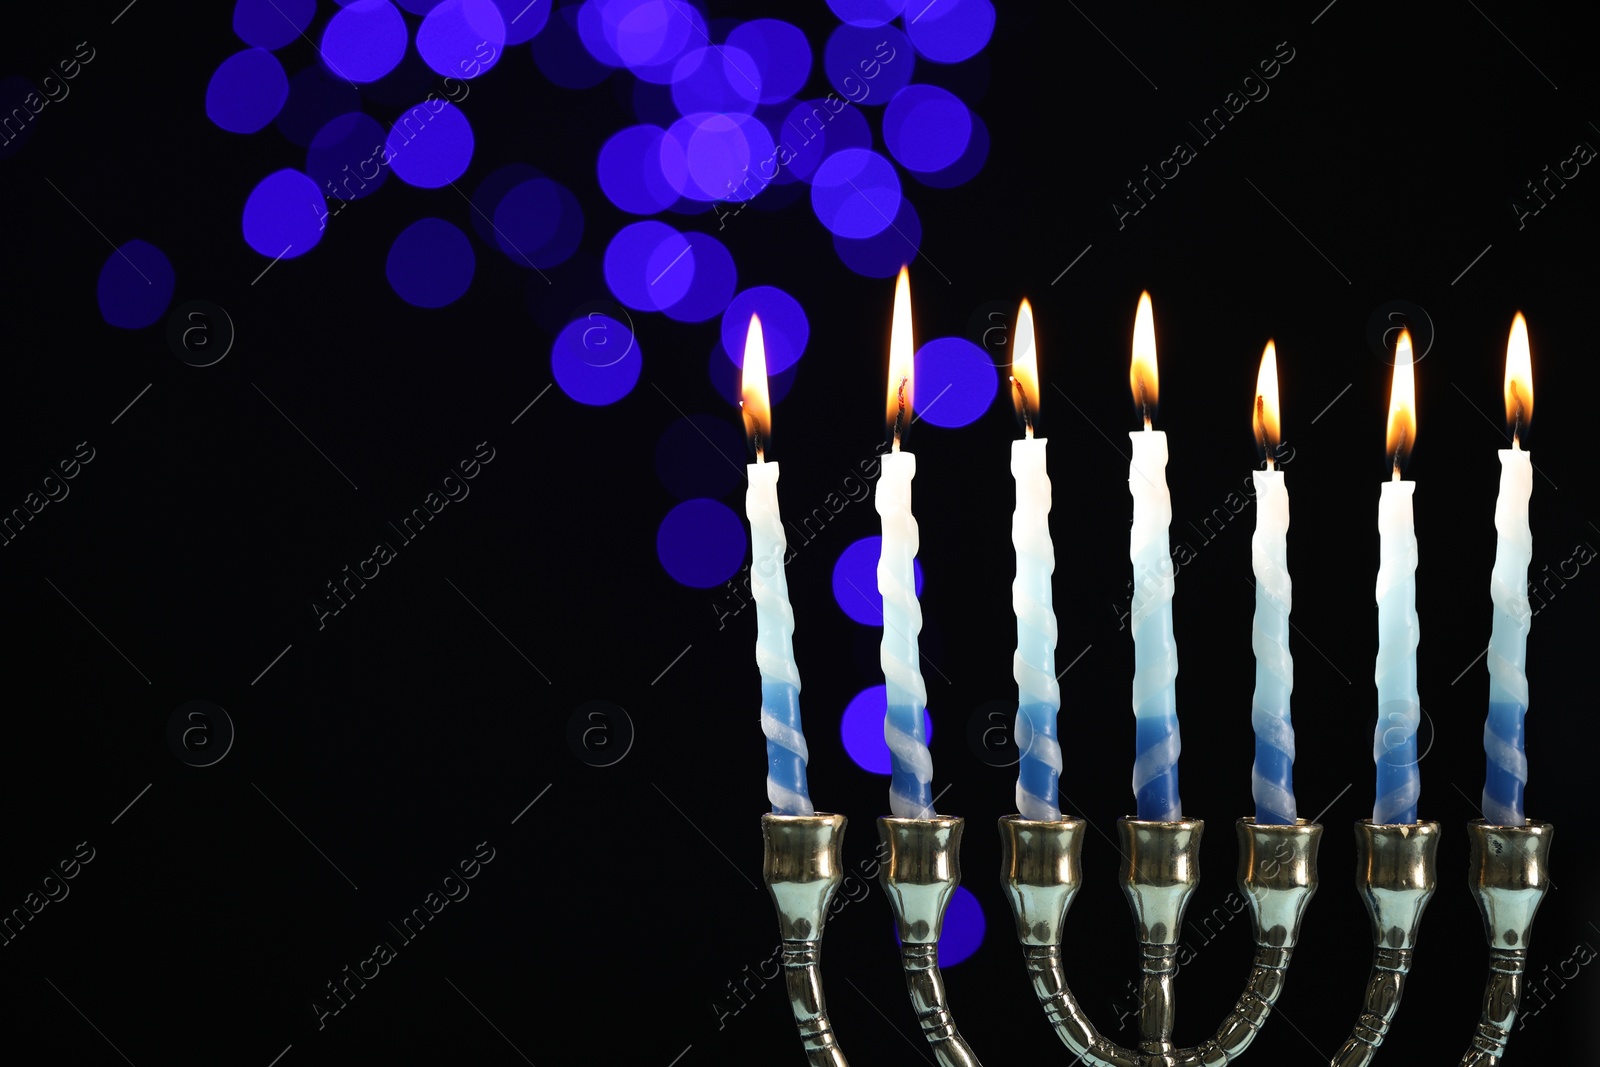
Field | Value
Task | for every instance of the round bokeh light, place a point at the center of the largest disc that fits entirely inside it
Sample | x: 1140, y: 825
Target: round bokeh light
x: 135, y: 285
x: 722, y: 79
x: 961, y: 933
x: 430, y: 264
x: 523, y: 18
x: 882, y: 255
x: 562, y: 56
x: 855, y: 193
x: 701, y: 455
x: 272, y: 23
x: 815, y: 128
x: 284, y: 216
x: 868, y: 66
x: 861, y: 729
x: 342, y: 159
x: 538, y: 223
x: 952, y: 30
x: 784, y: 327
x: 364, y: 41
x: 596, y: 360
x: 701, y: 543
x: 713, y: 157
x: 780, y: 53
x: 855, y: 581
x: 462, y: 38
x: 712, y: 284
x: 958, y: 380
x: 649, y: 266
x: 867, y: 12
x: 926, y: 128
x: 316, y: 98
x: 630, y: 171
x: 437, y: 159
x: 247, y: 91
x: 967, y: 167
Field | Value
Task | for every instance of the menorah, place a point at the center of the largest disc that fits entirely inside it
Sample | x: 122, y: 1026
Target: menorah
x: 1396, y: 875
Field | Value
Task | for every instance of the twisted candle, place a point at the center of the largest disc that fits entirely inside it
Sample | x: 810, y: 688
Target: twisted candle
x: 1155, y: 652
x: 1272, y: 778
x: 1394, y: 745
x: 780, y: 676
x: 1034, y: 664
x: 911, y: 777
x: 1508, y: 644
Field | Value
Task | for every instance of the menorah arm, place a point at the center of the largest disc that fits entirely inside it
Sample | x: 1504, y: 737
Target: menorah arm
x: 920, y: 876
x: 801, y: 866
x: 1278, y: 876
x: 1396, y: 871
x: 1509, y: 873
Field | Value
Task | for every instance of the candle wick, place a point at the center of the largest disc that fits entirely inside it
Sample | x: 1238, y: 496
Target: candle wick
x: 1023, y: 408
x: 1270, y: 464
x: 900, y: 412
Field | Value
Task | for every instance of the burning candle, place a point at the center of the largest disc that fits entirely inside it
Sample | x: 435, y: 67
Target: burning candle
x: 1155, y: 654
x: 1272, y: 778
x: 780, y: 676
x: 1394, y: 746
x: 1508, y: 588
x: 1034, y: 665
x: 911, y: 774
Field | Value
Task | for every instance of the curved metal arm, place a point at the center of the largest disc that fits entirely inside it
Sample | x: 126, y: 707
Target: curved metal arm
x: 1278, y: 875
x: 922, y: 872
x: 801, y: 866
x: 1509, y: 874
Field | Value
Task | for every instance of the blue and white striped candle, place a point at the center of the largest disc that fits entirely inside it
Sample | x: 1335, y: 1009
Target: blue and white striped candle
x: 1034, y: 665
x: 1272, y: 777
x: 780, y: 676
x: 911, y: 765
x: 1394, y: 743
x: 1155, y: 653
x: 1507, y: 762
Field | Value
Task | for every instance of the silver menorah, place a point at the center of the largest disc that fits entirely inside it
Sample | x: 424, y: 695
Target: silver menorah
x: 1396, y: 875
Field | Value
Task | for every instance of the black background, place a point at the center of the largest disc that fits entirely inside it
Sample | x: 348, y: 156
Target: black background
x: 426, y: 716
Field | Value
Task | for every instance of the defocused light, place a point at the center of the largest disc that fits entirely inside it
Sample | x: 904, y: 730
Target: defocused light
x: 855, y: 193
x: 926, y: 128
x: 952, y: 30
x: 649, y: 266
x: 701, y: 543
x: 246, y: 91
x: 430, y: 264
x: 783, y: 324
x: 272, y: 23
x: 882, y: 255
x: 284, y: 215
x: 343, y: 158
x: 958, y: 381
x: 780, y: 53
x: 364, y: 41
x: 438, y: 158
x: 462, y: 38
x: 135, y: 285
x: 596, y: 360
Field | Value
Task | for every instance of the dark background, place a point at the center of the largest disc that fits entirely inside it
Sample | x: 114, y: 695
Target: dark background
x: 621, y: 909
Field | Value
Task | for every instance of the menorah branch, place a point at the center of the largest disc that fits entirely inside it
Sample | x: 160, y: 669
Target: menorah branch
x: 1509, y: 875
x: 922, y: 872
x: 801, y: 866
x: 1396, y: 871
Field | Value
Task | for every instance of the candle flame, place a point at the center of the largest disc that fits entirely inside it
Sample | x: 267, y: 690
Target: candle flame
x: 901, y: 358
x: 1402, y: 433
x: 1025, y: 370
x: 1142, y: 376
x: 754, y: 401
x: 1264, y: 413
x: 1519, y: 380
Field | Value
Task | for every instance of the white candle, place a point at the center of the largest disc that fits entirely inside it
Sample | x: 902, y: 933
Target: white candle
x: 1394, y: 746
x: 911, y: 775
x: 1507, y: 762
x: 1034, y: 664
x: 1272, y: 777
x: 1155, y: 653
x: 780, y: 675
